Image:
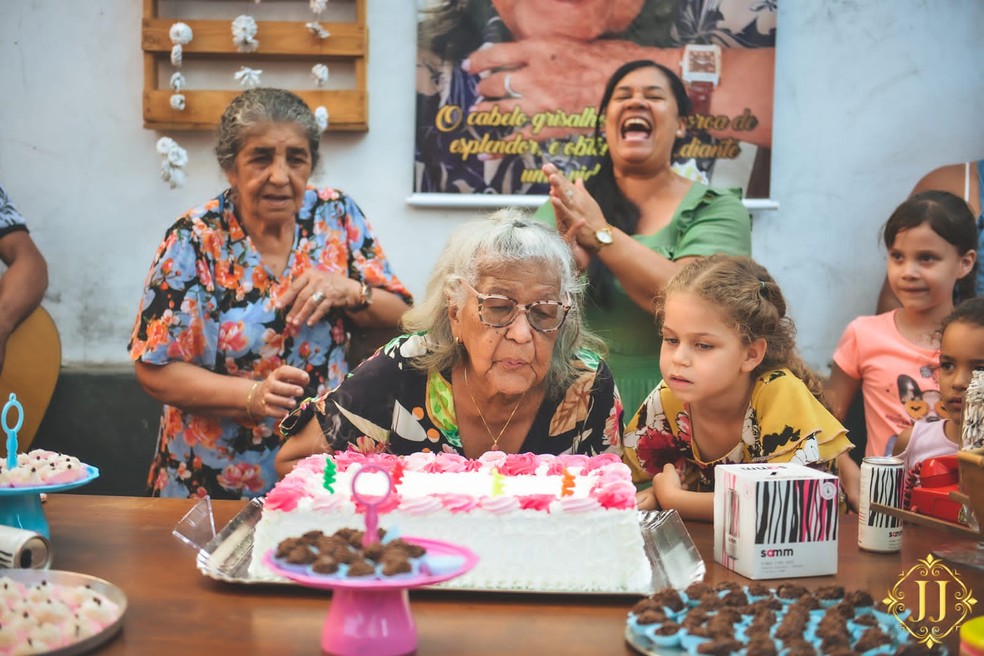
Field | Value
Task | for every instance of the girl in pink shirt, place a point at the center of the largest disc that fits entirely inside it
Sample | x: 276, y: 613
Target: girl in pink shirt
x: 932, y: 249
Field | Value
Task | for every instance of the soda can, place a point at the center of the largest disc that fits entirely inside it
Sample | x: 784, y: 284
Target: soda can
x: 22, y: 549
x: 882, y: 481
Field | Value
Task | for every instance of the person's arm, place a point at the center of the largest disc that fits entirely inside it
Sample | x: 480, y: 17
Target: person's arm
x: 902, y: 442
x: 308, y: 441
x: 840, y: 391
x: 22, y: 286
x: 197, y: 390
x: 886, y: 298
x: 721, y: 225
x: 850, y: 480
x: 671, y: 495
x: 538, y: 70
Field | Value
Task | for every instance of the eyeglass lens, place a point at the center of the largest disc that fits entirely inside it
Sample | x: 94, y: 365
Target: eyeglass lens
x: 542, y: 315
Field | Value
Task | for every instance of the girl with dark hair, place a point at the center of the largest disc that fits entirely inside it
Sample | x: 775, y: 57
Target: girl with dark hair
x: 932, y: 250
x: 638, y: 221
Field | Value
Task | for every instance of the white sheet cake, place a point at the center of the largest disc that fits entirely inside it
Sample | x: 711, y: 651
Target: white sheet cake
x: 541, y: 523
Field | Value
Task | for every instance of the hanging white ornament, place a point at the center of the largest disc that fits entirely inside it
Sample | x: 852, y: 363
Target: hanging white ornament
x: 180, y: 34
x: 317, y: 30
x: 249, y: 78
x: 176, y: 55
x: 318, y: 6
x: 177, y: 102
x: 320, y: 74
x: 178, y: 81
x: 174, y: 160
x: 321, y: 117
x: 243, y: 32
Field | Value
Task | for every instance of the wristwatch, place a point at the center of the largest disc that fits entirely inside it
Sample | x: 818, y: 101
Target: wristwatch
x: 700, y: 70
x: 604, y: 236
x: 366, y: 299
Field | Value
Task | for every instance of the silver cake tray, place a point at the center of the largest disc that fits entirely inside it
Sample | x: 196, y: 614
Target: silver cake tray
x: 672, y: 554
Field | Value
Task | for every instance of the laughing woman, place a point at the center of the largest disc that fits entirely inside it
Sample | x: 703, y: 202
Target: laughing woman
x: 249, y: 301
x: 638, y: 221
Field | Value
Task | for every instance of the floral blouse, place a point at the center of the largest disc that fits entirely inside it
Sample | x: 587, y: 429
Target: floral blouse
x: 389, y: 405
x: 784, y: 423
x: 210, y: 301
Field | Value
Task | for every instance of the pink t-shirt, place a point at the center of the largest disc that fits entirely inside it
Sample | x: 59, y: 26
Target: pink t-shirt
x: 896, y: 377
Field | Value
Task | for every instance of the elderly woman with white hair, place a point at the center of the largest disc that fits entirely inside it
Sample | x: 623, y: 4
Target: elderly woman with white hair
x: 496, y: 359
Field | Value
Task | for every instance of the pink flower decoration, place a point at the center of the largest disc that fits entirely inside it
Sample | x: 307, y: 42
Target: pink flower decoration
x: 286, y: 494
x: 570, y: 460
x: 617, y: 497
x: 602, y: 460
x: 458, y: 503
x: 535, y: 501
x: 517, y: 464
x: 389, y: 504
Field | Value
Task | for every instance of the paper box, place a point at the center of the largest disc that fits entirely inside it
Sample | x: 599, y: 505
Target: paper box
x: 775, y: 520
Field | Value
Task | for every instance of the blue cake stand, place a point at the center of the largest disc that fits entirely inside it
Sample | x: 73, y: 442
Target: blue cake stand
x: 21, y: 506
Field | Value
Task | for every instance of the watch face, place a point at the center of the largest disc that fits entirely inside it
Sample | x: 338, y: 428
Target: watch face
x: 702, y: 62
x: 604, y: 236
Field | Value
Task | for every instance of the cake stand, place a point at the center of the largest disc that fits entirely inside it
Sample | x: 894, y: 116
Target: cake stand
x: 373, y: 616
x: 21, y: 506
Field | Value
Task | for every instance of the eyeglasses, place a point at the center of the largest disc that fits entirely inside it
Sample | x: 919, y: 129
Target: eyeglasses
x: 500, y: 311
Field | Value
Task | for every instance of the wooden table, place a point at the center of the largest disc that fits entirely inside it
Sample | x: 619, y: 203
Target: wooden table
x: 173, y: 609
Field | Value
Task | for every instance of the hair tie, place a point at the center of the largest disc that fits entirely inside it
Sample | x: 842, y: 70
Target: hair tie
x: 761, y: 286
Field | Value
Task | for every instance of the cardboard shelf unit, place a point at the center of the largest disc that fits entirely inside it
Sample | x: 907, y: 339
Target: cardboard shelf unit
x: 279, y: 41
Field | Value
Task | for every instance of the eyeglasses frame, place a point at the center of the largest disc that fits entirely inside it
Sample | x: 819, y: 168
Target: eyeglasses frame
x: 525, y: 307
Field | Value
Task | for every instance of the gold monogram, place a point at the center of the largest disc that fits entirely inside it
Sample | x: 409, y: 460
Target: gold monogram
x: 937, y: 590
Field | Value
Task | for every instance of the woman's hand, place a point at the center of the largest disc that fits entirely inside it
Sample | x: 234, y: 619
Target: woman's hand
x: 277, y: 394
x: 536, y: 71
x: 578, y: 215
x: 314, y: 293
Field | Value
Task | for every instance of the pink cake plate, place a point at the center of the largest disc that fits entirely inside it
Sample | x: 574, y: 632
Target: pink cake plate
x: 372, y: 616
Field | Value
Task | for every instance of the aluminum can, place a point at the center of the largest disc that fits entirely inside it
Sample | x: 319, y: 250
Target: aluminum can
x: 22, y: 549
x: 882, y: 481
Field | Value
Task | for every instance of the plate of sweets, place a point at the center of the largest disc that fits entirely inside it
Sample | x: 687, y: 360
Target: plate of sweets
x: 369, y: 572
x: 57, y: 613
x: 757, y: 619
x: 25, y: 476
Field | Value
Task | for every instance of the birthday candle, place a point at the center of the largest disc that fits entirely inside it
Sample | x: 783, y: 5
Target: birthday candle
x: 498, y: 483
x: 330, y: 470
x: 567, y: 484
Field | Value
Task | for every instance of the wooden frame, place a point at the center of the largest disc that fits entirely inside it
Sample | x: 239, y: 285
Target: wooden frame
x: 279, y: 41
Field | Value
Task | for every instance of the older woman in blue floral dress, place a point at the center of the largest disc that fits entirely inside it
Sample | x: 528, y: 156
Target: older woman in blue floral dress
x: 249, y: 302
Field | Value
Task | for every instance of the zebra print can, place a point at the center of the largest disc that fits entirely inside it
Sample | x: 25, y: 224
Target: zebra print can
x: 882, y: 481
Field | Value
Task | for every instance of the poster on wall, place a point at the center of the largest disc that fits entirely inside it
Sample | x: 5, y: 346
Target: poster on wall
x: 505, y: 86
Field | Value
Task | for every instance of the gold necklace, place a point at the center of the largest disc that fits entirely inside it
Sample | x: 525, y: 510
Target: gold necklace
x: 495, y: 438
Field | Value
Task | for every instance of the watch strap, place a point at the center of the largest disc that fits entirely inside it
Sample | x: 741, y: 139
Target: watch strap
x: 700, y: 97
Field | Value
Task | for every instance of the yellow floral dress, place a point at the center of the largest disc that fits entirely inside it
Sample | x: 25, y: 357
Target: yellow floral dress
x: 784, y: 423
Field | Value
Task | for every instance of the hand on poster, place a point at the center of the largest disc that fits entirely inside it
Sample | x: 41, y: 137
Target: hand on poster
x: 554, y: 80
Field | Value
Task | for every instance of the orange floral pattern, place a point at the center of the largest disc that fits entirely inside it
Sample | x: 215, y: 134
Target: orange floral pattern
x: 210, y: 301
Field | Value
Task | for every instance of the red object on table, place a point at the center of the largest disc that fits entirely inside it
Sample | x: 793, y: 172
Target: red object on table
x: 939, y: 476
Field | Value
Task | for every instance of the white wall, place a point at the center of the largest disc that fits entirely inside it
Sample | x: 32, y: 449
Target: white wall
x: 869, y: 95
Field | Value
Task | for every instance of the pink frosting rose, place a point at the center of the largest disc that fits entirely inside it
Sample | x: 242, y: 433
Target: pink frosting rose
x: 602, y: 460
x: 518, y: 464
x: 286, y: 494
x: 418, y: 461
x: 536, y: 501
x: 492, y: 459
x: 457, y: 503
x: 499, y: 505
x: 618, y: 496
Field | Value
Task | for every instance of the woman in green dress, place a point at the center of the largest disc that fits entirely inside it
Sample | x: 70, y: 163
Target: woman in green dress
x: 638, y: 221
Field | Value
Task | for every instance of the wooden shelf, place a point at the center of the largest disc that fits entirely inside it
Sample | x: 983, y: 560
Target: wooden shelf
x: 279, y: 41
